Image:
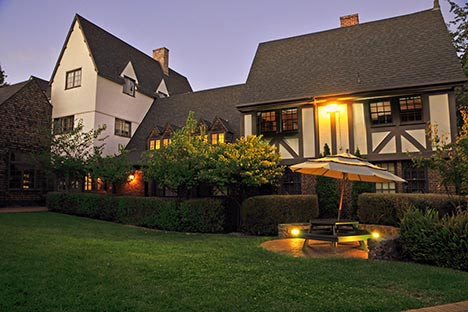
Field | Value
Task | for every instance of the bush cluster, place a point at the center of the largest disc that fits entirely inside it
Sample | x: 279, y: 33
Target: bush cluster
x: 388, y: 209
x: 260, y: 215
x: 426, y: 238
x: 205, y: 215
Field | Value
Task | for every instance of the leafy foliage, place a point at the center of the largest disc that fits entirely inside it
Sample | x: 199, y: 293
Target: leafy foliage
x: 112, y: 169
x: 450, y: 159
x: 2, y: 77
x: 199, y: 215
x: 428, y: 239
x: 388, y: 209
x: 180, y: 164
x: 72, y: 154
x: 262, y: 214
x: 189, y: 160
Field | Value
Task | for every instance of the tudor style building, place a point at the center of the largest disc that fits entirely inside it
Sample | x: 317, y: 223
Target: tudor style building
x: 373, y: 87
x: 102, y: 80
x: 25, y: 115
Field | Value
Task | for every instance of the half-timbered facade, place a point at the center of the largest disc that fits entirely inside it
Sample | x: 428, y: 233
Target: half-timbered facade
x: 372, y: 87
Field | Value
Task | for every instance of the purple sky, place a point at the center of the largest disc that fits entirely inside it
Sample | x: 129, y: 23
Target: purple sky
x: 211, y: 42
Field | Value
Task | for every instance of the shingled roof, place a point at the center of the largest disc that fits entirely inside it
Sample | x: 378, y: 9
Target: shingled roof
x: 8, y: 91
x: 405, y: 51
x: 111, y: 55
x: 206, y: 104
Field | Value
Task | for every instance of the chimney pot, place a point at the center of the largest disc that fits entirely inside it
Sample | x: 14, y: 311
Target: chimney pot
x: 162, y: 56
x: 349, y: 20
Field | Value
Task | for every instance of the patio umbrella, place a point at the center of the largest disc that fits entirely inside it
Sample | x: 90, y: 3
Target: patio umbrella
x: 345, y: 167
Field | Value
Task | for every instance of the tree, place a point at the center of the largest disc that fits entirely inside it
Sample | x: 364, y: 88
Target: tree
x: 189, y: 160
x: 460, y: 41
x: 2, y: 77
x: 248, y: 163
x: 72, y: 155
x: 327, y: 192
x: 450, y: 159
x: 179, y: 165
x: 112, y: 169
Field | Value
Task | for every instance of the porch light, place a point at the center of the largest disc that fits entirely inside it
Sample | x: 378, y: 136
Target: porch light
x: 295, y: 232
x: 332, y: 108
x: 131, y: 177
x: 375, y: 235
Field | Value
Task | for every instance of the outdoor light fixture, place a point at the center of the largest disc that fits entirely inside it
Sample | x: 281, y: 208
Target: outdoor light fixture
x: 131, y: 177
x: 295, y: 232
x: 332, y: 108
x: 375, y: 235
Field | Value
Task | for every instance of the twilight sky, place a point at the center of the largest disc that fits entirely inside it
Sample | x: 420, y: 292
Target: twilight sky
x: 211, y: 42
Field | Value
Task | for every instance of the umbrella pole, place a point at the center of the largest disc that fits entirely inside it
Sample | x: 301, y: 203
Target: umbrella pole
x: 343, y: 181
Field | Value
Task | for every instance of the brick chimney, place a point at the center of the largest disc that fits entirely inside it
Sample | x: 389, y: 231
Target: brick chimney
x: 162, y: 56
x: 349, y: 20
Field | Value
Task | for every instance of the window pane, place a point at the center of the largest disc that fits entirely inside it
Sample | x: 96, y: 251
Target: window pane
x: 73, y: 79
x: 410, y: 108
x: 214, y: 138
x: 151, y: 145
x: 129, y: 86
x: 122, y: 128
x: 289, y: 119
x: 381, y: 113
x: 268, y: 122
x: 221, y: 138
x: 389, y: 187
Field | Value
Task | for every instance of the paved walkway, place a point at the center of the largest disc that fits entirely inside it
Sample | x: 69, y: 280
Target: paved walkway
x: 452, y: 307
x: 23, y: 209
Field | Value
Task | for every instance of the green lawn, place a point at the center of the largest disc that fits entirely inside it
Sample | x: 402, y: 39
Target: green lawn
x: 53, y: 262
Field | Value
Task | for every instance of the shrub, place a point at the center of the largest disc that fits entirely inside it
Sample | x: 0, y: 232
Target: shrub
x: 428, y: 239
x: 261, y: 215
x: 198, y: 215
x: 205, y: 215
x: 388, y: 209
x: 328, y: 196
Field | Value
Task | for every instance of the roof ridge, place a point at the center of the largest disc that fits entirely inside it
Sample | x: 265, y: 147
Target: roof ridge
x: 25, y: 83
x: 357, y: 25
x: 124, y: 42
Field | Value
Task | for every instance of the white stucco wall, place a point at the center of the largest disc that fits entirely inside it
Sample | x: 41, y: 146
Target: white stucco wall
x: 359, y: 128
x: 440, y: 114
x: 112, y: 103
x: 80, y: 99
x: 248, y: 124
x: 308, y: 131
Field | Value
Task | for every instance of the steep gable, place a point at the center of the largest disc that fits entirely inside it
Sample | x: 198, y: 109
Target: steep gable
x: 112, y: 55
x: 411, y: 50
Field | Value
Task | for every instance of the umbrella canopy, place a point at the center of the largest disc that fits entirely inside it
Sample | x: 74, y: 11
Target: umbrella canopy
x: 346, y: 167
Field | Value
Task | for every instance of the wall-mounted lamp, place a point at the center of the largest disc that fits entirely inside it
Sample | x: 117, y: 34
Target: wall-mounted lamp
x: 332, y: 108
x: 131, y: 177
x: 295, y: 232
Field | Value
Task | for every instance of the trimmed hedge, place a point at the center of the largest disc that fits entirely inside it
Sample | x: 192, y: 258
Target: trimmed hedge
x: 199, y: 215
x: 388, y: 209
x: 426, y: 238
x: 260, y: 215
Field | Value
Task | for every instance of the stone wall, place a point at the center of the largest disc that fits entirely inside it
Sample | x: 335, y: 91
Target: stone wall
x: 25, y: 118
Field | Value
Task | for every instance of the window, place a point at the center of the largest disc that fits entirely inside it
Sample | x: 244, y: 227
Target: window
x: 217, y: 138
x: 291, y: 182
x: 154, y: 144
x: 268, y: 122
x: 23, y: 175
x: 123, y: 127
x: 410, y: 108
x: 63, y: 124
x: 166, y: 142
x: 416, y: 178
x: 381, y: 112
x: 129, y: 86
x: 289, y: 120
x: 88, y: 183
x: 388, y: 187
x: 73, y: 79
x: 271, y: 121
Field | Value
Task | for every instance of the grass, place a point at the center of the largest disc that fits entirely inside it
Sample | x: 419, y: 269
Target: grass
x: 53, y: 262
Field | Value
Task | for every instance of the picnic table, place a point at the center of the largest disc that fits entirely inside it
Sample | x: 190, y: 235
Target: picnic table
x: 336, y: 231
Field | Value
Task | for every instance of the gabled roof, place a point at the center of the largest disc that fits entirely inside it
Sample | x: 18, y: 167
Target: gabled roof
x: 111, y: 55
x: 405, y: 51
x: 205, y: 104
x: 8, y: 91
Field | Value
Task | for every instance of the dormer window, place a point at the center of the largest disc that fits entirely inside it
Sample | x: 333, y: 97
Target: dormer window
x: 217, y: 138
x: 129, y: 86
